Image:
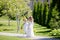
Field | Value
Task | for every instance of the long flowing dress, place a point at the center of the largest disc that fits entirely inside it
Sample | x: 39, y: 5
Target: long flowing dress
x: 30, y: 32
x: 25, y: 26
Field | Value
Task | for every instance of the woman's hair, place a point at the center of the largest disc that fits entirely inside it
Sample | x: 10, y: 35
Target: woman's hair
x: 31, y: 18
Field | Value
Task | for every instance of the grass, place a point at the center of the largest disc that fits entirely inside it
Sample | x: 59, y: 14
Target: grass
x: 11, y: 38
x: 4, y: 17
x: 38, y: 30
x: 41, y: 31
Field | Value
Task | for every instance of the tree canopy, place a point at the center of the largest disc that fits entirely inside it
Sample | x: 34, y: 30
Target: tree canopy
x: 13, y: 7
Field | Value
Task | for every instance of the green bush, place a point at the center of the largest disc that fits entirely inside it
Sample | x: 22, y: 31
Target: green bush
x: 55, y: 32
x: 54, y: 22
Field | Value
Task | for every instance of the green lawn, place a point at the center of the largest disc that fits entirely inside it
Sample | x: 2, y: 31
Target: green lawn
x: 4, y: 17
x: 38, y: 30
x: 41, y: 31
x: 11, y: 38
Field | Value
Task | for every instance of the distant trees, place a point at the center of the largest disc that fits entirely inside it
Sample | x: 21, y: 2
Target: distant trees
x: 13, y: 7
x: 40, y: 13
x: 54, y: 22
x: 46, y: 15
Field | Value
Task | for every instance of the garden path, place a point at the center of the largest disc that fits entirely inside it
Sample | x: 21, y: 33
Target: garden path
x: 24, y: 36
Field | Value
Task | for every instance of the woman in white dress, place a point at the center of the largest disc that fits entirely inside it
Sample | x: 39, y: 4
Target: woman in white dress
x: 30, y: 32
x: 25, y: 25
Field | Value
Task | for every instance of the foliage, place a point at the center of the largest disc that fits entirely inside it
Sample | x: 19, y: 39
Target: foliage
x: 54, y: 22
x: 40, y: 13
x: 14, y: 7
x: 54, y: 2
x: 55, y: 32
x: 46, y: 15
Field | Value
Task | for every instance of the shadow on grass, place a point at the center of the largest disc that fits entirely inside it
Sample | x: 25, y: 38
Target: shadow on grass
x: 5, y: 25
x: 47, y: 39
x: 44, y: 31
x: 1, y: 24
x: 7, y: 29
x: 56, y: 36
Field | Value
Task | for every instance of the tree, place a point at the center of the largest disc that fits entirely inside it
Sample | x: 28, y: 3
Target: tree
x: 43, y: 13
x: 34, y: 11
x: 13, y: 8
x: 54, y: 22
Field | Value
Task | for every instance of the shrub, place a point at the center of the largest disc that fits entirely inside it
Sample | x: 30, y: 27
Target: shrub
x: 55, y: 32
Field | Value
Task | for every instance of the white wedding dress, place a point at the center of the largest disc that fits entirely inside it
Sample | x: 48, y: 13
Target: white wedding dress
x: 25, y: 26
x: 30, y: 32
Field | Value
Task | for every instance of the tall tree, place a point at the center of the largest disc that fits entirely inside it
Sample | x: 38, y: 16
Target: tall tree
x: 14, y: 7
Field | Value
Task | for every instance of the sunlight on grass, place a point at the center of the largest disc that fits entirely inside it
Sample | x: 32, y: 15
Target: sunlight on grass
x: 12, y: 38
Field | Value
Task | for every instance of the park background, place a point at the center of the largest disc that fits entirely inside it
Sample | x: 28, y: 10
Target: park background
x: 46, y: 14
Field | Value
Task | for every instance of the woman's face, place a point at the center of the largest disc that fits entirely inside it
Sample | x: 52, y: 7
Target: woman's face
x: 30, y: 18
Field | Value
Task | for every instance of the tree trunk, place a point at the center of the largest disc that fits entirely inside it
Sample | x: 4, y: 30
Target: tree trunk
x: 18, y: 23
x: 9, y: 22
